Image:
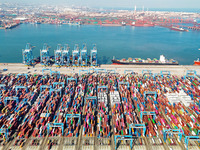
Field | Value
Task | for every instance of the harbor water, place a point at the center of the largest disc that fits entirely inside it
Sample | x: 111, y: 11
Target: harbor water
x: 121, y: 42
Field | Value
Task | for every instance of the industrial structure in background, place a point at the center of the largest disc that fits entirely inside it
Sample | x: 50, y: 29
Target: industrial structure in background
x: 12, y: 16
x: 61, y: 56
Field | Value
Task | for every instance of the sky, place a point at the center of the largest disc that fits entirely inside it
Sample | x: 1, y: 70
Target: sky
x: 116, y: 3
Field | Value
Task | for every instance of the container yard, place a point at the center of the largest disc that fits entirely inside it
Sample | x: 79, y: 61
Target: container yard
x: 100, y: 109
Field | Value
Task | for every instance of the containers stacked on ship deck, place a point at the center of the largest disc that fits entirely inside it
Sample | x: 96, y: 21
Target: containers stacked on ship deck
x: 89, y: 123
x: 103, y: 116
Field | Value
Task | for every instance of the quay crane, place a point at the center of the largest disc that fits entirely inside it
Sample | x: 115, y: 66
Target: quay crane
x: 93, y: 56
x: 75, y: 56
x: 83, y: 55
x: 65, y: 56
x: 58, y: 55
x: 27, y: 54
x: 62, y: 56
x: 44, y: 55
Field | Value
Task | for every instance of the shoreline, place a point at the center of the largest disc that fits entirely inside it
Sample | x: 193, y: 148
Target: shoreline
x: 179, y: 70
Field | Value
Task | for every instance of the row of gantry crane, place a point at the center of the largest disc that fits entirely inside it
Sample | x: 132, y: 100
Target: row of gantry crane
x: 62, y: 56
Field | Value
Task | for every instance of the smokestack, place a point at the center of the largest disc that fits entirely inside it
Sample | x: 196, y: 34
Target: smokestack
x: 143, y: 8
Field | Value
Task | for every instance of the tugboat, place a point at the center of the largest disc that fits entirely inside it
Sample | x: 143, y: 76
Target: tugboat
x: 139, y: 61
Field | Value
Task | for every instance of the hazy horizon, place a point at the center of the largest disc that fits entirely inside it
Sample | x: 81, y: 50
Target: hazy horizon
x: 115, y: 3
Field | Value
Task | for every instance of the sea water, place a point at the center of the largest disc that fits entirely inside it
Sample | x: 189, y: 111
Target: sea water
x: 121, y: 42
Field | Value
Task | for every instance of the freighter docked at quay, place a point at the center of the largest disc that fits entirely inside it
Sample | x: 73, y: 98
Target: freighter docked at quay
x: 140, y: 23
x: 139, y: 61
x: 197, y: 62
x: 179, y: 29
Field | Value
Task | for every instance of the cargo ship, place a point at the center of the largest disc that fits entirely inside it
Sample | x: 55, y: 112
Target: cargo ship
x: 11, y: 25
x: 114, y: 24
x: 142, y: 24
x: 111, y: 25
x: 178, y: 29
x: 197, y: 62
x: 75, y: 23
x: 139, y: 61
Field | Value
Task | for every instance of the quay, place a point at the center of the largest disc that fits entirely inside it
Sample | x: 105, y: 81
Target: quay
x: 179, y: 70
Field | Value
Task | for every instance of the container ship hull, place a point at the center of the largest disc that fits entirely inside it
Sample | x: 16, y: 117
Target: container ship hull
x: 117, y: 62
x: 111, y: 25
x: 197, y: 63
x: 143, y: 25
x: 179, y: 29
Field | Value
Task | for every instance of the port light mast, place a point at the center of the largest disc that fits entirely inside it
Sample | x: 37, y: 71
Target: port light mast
x: 65, y: 55
x: 58, y: 55
x: 93, y: 56
x: 27, y: 54
x: 44, y: 55
x: 84, y: 55
x: 75, y: 55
